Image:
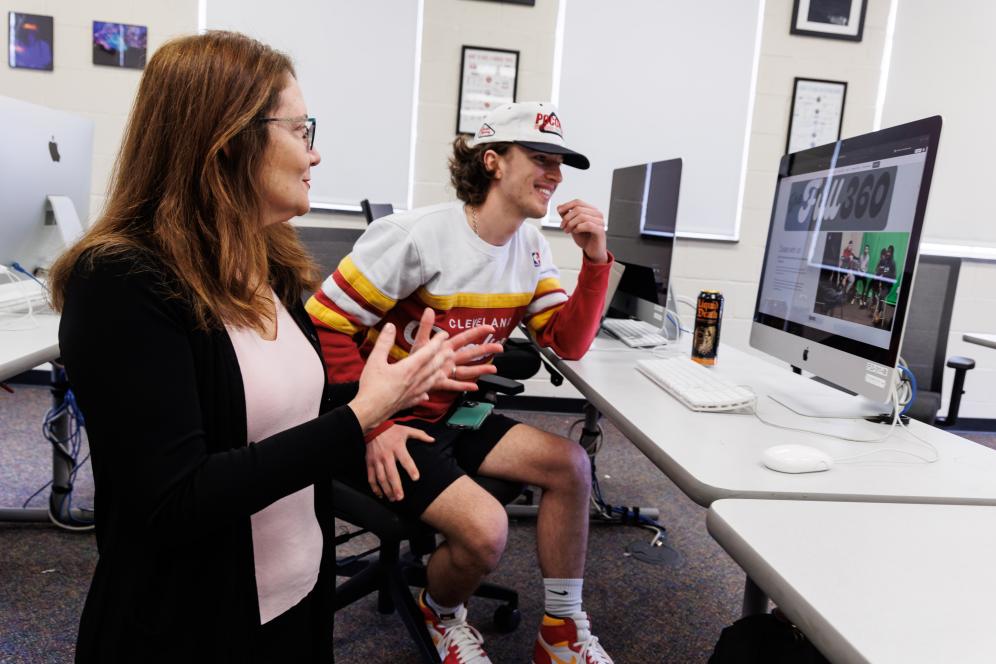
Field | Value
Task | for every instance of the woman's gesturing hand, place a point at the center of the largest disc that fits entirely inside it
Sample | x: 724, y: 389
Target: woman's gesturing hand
x: 437, y: 362
x: 469, y: 349
x: 386, y: 388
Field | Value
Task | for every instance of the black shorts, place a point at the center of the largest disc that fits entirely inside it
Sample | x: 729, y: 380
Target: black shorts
x: 455, y: 453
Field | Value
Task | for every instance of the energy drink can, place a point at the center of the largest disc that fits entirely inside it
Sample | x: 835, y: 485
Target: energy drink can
x: 708, y: 316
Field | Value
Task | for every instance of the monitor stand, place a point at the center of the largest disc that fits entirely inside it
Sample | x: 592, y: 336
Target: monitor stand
x: 842, y: 405
x: 61, y: 229
x: 671, y: 329
x: 66, y: 218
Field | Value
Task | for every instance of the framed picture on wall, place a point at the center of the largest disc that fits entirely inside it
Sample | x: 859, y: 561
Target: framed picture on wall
x: 833, y: 19
x: 119, y: 44
x: 488, y: 79
x: 31, y: 41
x: 817, y: 113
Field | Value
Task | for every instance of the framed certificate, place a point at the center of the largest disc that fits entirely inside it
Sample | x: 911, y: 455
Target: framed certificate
x: 488, y: 78
x: 817, y: 113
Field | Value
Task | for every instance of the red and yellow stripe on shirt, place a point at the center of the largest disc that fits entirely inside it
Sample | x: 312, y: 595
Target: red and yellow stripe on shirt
x: 347, y: 342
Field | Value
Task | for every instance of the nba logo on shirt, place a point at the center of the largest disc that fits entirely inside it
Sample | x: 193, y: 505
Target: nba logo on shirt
x: 536, y: 259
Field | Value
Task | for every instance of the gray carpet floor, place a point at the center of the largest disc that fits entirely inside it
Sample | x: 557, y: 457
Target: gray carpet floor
x: 641, y: 612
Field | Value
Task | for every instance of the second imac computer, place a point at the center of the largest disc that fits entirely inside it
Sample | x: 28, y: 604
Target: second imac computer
x: 842, y: 248
x: 44, y: 181
x: 643, y: 212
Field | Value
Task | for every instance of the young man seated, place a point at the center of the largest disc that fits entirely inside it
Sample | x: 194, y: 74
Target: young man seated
x: 475, y: 262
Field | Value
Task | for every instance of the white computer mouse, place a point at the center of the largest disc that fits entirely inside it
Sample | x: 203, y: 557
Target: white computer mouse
x: 796, y: 459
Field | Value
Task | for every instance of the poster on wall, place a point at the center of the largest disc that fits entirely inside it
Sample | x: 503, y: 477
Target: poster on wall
x: 30, y: 41
x: 119, y: 45
x: 831, y: 19
x: 487, y: 80
x: 817, y: 113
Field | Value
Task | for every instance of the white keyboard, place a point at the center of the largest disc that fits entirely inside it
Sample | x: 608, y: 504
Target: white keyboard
x: 14, y: 297
x: 634, y: 333
x: 694, y: 385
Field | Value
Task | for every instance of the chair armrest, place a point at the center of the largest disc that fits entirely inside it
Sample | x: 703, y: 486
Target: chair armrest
x: 500, y: 384
x: 961, y: 365
x: 367, y: 512
x: 957, y: 362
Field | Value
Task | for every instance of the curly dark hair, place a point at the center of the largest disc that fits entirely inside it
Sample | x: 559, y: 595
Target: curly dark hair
x: 468, y: 174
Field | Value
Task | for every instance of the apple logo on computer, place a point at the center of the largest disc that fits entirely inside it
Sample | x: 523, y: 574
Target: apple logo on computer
x: 805, y: 355
x: 53, y: 149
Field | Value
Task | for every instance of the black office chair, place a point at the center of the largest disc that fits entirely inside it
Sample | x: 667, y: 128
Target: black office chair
x: 328, y: 246
x: 521, y: 360
x: 387, y: 569
x: 375, y: 210
x: 928, y: 321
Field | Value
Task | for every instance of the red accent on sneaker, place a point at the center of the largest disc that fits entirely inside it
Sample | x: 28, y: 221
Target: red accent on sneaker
x: 568, y: 641
x: 456, y: 642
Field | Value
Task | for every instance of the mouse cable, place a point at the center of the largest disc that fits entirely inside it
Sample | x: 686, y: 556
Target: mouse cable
x: 894, y: 398
x: 757, y: 413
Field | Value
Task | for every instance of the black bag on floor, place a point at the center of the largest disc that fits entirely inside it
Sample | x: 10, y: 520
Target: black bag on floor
x: 765, y: 639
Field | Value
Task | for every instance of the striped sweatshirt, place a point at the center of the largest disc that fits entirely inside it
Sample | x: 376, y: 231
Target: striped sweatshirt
x: 430, y: 257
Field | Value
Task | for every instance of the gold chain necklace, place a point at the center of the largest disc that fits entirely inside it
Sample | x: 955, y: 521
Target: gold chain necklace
x: 473, y: 220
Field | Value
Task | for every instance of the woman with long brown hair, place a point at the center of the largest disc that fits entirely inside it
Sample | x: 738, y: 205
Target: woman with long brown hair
x: 212, y: 430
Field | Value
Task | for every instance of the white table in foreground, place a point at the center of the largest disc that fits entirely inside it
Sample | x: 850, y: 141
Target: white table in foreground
x: 872, y: 582
x: 711, y: 456
x: 980, y: 338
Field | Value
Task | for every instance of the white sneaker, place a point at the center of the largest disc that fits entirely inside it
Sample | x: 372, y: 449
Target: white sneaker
x: 568, y: 641
x: 455, y: 640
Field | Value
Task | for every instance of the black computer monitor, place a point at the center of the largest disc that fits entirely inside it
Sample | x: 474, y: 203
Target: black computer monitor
x: 842, y: 248
x: 643, y: 212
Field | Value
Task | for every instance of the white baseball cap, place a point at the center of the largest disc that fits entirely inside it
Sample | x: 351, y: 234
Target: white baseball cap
x: 531, y: 124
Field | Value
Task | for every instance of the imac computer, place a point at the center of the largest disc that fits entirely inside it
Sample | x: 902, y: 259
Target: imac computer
x: 841, y: 253
x: 643, y: 213
x: 44, y: 181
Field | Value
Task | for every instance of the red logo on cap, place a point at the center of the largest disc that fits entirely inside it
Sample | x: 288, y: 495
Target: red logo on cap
x: 485, y: 130
x: 548, y: 124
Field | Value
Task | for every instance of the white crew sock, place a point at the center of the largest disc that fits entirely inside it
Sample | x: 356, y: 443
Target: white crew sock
x: 562, y: 597
x: 444, y: 612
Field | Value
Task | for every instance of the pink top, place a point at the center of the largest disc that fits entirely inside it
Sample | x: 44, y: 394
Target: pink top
x: 283, y: 379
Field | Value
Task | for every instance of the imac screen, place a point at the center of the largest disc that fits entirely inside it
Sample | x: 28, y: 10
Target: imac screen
x: 843, y: 239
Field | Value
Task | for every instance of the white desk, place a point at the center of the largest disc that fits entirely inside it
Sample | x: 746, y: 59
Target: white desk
x: 717, y: 455
x: 21, y: 350
x: 872, y: 582
x: 980, y: 338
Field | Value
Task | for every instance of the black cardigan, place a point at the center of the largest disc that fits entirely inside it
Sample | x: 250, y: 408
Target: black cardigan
x: 176, y: 483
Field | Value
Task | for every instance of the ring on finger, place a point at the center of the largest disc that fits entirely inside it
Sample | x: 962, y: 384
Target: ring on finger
x: 453, y: 372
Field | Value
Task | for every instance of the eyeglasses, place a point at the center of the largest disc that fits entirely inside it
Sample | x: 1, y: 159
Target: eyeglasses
x: 308, y: 126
